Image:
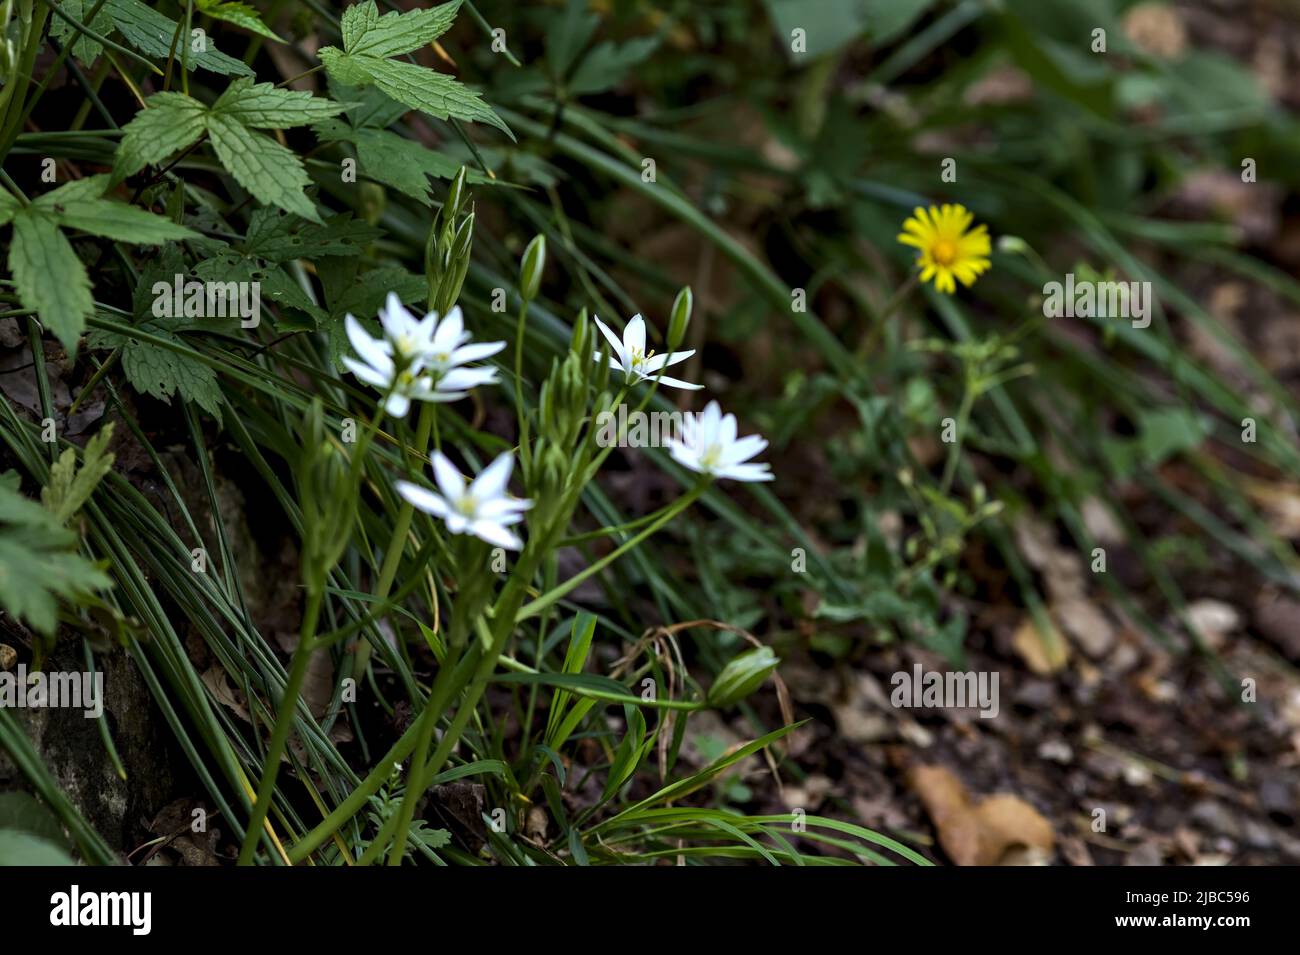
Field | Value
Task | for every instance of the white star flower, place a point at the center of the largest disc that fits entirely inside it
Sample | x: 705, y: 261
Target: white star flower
x: 709, y: 446
x: 482, y: 508
x: 637, y: 364
x: 418, y: 359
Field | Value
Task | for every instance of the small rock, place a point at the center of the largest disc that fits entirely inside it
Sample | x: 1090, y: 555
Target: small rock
x: 1058, y: 751
x: 1213, y: 620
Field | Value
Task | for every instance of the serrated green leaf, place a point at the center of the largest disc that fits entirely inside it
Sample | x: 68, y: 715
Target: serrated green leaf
x: 365, y: 31
x: 161, y: 372
x: 402, y: 163
x: 240, y: 14
x: 275, y: 285
x: 153, y: 34
x: 80, y: 205
x: 362, y: 296
x: 277, y: 237
x: 9, y: 206
x: 369, y: 38
x: 37, y: 563
x: 84, y: 48
x: 50, y: 278
x: 367, y: 106
x: 263, y: 106
x: 271, y: 172
x: 428, y: 91
x: 171, y: 122
x: 70, y: 486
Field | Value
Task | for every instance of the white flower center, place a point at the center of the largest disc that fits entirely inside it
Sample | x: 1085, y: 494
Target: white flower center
x: 467, y: 507
x: 711, y: 456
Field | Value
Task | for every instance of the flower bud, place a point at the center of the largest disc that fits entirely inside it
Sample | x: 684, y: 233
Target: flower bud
x: 578, y: 340
x: 681, y: 317
x: 455, y: 194
x: 530, y: 273
x: 742, y: 676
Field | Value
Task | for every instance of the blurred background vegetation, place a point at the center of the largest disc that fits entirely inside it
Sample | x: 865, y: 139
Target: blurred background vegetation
x: 789, y: 140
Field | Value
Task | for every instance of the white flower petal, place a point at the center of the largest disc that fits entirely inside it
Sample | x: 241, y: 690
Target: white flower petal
x: 451, y: 331
x: 371, y: 376
x: 504, y: 510
x: 614, y: 342
x: 740, y: 451
x: 746, y: 472
x: 397, y: 321
x: 634, y: 336
x: 449, y: 480
x: 365, y: 346
x: 398, y: 405
x: 727, y: 430
x: 494, y: 533
x: 675, y: 382
x: 651, y: 365
x: 492, y: 481
x: 460, y: 379
x: 477, y: 352
x: 423, y: 499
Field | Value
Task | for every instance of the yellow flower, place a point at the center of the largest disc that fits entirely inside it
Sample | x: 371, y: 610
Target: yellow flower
x: 948, y: 251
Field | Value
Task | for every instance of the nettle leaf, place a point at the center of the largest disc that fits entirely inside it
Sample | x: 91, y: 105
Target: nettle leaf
x: 70, y: 486
x: 240, y: 14
x: 9, y: 207
x: 396, y: 161
x: 365, y: 31
x: 49, y: 276
x: 278, y: 237
x: 81, y: 205
x: 85, y: 49
x: 38, y: 562
x: 274, y: 283
x: 431, y: 92
x: 367, y: 106
x: 157, y: 35
x: 271, y: 172
x: 263, y: 106
x: 161, y: 372
x: 369, y: 38
x: 347, y: 293
x: 171, y: 122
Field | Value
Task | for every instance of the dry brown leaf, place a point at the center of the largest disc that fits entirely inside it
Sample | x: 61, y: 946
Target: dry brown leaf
x: 1044, y: 654
x: 984, y: 832
x: 214, y: 678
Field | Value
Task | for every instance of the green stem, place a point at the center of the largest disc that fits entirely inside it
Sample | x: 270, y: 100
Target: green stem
x: 525, y: 453
x: 954, y: 449
x: 551, y: 596
x: 283, y: 724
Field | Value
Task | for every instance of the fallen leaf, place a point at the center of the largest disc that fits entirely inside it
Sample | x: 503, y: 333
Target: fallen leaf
x: 1044, y: 654
x: 999, y: 829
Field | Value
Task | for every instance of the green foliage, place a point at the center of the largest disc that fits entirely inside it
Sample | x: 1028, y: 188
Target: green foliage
x: 368, y: 41
x: 576, y: 694
x: 38, y: 561
x: 71, y: 486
